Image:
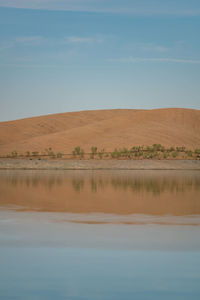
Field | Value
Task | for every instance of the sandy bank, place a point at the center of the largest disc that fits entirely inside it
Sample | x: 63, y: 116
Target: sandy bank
x: 99, y: 164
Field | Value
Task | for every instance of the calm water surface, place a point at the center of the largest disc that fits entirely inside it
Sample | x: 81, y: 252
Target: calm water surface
x: 99, y: 235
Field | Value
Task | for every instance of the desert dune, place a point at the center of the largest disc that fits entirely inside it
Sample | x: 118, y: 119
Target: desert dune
x: 106, y: 129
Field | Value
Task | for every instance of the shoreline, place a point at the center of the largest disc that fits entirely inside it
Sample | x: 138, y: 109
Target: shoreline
x: 24, y: 164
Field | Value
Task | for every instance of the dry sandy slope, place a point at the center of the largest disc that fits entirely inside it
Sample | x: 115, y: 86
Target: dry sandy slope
x: 106, y: 129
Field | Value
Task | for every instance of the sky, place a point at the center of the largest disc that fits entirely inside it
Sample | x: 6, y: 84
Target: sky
x: 68, y: 55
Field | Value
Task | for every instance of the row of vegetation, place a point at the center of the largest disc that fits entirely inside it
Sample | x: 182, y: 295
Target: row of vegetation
x: 156, y: 151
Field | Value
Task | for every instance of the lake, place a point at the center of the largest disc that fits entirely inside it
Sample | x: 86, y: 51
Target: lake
x: 103, y: 235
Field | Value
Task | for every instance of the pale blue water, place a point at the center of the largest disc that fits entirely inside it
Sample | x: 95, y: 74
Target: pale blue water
x: 71, y: 273
x: 42, y: 257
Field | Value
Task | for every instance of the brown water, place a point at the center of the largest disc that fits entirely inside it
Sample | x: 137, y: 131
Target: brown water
x: 122, y: 193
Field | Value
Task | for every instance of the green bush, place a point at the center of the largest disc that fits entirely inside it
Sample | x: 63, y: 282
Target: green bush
x: 52, y: 154
x: 189, y: 153
x: 165, y: 155
x: 171, y: 149
x: 101, y: 153
x: 116, y: 154
x: 59, y: 155
x: 148, y: 148
x: 35, y: 153
x: 93, y: 151
x: 28, y: 153
x: 180, y: 149
x: 175, y: 154
x: 82, y: 153
x: 78, y: 151
x: 14, y: 153
x: 157, y: 147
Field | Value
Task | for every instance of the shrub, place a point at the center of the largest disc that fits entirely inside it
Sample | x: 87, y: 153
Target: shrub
x: 155, y: 154
x: 162, y: 149
x: 165, y: 155
x: 189, y: 153
x: 93, y: 151
x: 59, y: 155
x: 14, y: 153
x: 148, y: 148
x: 52, y: 154
x: 175, y: 154
x: 78, y: 151
x: 139, y: 153
x: 82, y: 153
x: 180, y: 149
x: 101, y: 153
x: 28, y: 153
x: 34, y: 153
x: 116, y: 154
x: 157, y: 147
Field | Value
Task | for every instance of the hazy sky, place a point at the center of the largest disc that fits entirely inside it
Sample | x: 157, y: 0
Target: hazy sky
x: 67, y: 55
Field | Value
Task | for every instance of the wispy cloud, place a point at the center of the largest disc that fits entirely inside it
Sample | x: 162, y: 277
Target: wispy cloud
x: 29, y: 39
x: 152, y: 47
x: 83, y: 40
x: 154, y: 60
x: 136, y: 7
x: 6, y: 45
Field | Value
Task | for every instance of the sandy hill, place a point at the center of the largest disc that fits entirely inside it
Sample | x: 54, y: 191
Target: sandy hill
x: 106, y: 129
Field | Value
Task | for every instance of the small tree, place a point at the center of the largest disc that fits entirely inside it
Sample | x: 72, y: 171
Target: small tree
x: 189, y: 153
x: 59, y: 155
x: 35, y: 153
x: 14, y: 153
x: 101, y: 153
x: 116, y: 154
x: 175, y: 154
x: 93, y: 151
x: 78, y: 152
x: 28, y: 153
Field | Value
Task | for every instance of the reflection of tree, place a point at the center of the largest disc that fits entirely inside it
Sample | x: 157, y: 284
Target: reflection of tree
x: 78, y: 184
x: 155, y: 185
x: 94, y: 184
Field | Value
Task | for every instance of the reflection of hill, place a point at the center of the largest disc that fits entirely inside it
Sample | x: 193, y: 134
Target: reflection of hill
x: 153, y: 192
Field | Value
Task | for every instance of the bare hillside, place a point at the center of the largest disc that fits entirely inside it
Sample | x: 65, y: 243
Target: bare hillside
x: 106, y: 129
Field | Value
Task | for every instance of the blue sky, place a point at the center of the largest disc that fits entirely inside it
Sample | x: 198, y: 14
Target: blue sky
x: 64, y: 55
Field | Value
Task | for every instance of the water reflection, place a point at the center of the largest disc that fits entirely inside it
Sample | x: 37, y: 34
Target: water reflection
x: 70, y: 235
x: 156, y: 182
x: 173, y: 193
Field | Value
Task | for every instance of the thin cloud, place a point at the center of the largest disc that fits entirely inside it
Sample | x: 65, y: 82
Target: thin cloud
x: 28, y: 39
x: 6, y: 45
x: 154, y: 60
x: 154, y: 48
x: 136, y: 7
x: 82, y: 40
x: 21, y: 40
x: 150, y: 47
